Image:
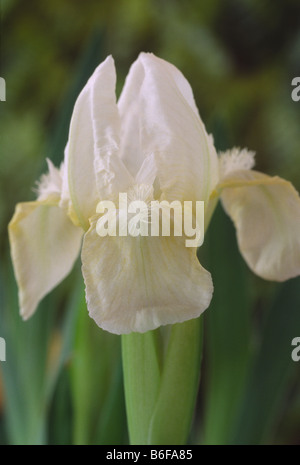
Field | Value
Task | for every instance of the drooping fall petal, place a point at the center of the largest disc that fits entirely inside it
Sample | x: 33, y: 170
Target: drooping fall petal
x: 140, y: 283
x: 44, y: 246
x: 266, y: 214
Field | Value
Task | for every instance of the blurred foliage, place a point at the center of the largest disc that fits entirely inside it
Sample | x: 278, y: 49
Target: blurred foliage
x: 240, y: 57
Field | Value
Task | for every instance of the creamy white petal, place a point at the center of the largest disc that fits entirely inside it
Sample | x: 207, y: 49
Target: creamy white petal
x: 136, y: 284
x: 44, y: 246
x: 186, y: 159
x: 111, y: 174
x: 147, y: 172
x: 181, y: 82
x: 159, y: 117
x: 94, y: 133
x: 131, y: 151
x: 266, y: 214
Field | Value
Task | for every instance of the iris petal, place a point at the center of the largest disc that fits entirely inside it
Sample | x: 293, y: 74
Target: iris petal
x: 159, y: 117
x: 44, y: 246
x: 266, y: 214
x: 93, y: 139
x: 140, y: 283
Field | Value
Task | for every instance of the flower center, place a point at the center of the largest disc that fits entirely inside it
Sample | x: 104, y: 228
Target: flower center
x: 142, y: 192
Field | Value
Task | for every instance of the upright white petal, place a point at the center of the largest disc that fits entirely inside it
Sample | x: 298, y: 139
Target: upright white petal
x: 131, y: 151
x: 136, y: 284
x: 92, y: 153
x: 44, y: 246
x: 266, y: 214
x: 165, y: 122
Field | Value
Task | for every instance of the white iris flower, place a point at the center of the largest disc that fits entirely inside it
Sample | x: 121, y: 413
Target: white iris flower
x: 151, y: 145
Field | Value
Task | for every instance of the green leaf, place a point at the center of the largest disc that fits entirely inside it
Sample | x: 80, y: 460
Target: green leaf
x: 273, y: 369
x: 94, y: 363
x: 112, y: 424
x: 174, y: 408
x: 25, y: 369
x: 226, y: 331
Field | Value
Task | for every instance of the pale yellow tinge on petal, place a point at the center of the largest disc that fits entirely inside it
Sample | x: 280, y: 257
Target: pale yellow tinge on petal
x: 52, y: 189
x: 266, y: 214
x: 44, y: 246
x: 136, y: 284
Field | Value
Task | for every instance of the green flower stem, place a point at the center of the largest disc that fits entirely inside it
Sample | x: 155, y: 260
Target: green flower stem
x: 161, y: 375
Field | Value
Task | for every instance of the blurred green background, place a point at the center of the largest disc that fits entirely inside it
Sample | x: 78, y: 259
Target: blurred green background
x: 62, y: 379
